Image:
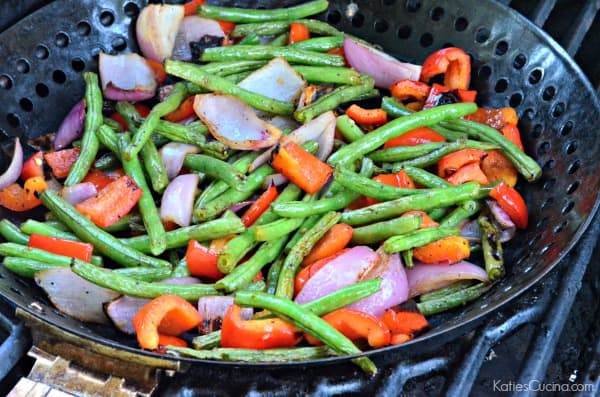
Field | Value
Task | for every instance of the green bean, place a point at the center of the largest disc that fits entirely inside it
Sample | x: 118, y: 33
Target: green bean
x: 31, y: 226
x: 348, y: 128
x: 329, y: 75
x: 109, y: 139
x: 238, y: 77
x: 266, y: 52
x: 432, y: 157
x: 258, y: 286
x: 180, y: 269
x: 321, y: 28
x: 12, y: 233
x: 418, y: 238
x: 382, y: 230
x: 320, y: 44
x: 273, y: 275
x: 180, y: 237
x: 23, y: 251
x: 280, y: 227
x: 281, y: 40
x: 26, y: 267
x: 401, y: 153
x: 227, y: 68
x: 113, y: 124
x: 123, y: 223
x: 260, y: 29
x: 285, y: 284
x: 57, y: 225
x: 171, y: 103
x: 250, y: 39
x: 440, y: 293
x: 148, y: 274
x: 106, y: 162
x: 464, y: 211
x: 208, y: 341
x: 215, y: 168
x: 89, y: 142
x: 492, y: 249
x: 451, y: 301
x: 280, y: 355
x: 423, y: 202
x: 87, y: 231
x: 334, y: 99
x: 211, y: 82
x: 154, y: 167
x: 306, y: 225
x: 193, y: 134
x: 140, y: 289
x: 146, y: 204
x: 307, y: 322
x: 245, y: 15
x: 424, y: 178
x: 437, y: 213
x: 244, y: 273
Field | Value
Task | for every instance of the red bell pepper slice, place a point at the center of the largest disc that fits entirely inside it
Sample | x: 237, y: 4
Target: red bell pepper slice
x: 512, y: 133
x: 260, y: 206
x: 184, y: 111
x: 21, y: 199
x: 58, y: 246
x: 257, y: 334
x: 399, y: 179
x: 495, y: 118
x: 450, y: 249
x: 415, y: 137
x: 468, y: 173
x: 453, y: 62
x: 191, y: 7
x: 112, y: 202
x: 466, y: 95
x: 202, y: 261
x: 332, y: 242
x: 99, y: 179
x: 366, y: 116
x: 298, y: 32
x: 300, y: 167
x: 168, y: 340
x: 450, y: 163
x: 404, y: 322
x: 356, y: 325
x: 512, y: 202
x: 308, y: 271
x: 148, y: 321
x: 435, y: 93
x: 61, y: 161
x: 497, y: 167
x: 34, y: 166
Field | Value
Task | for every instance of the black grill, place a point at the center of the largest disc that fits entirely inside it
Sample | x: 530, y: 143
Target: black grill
x: 549, y: 335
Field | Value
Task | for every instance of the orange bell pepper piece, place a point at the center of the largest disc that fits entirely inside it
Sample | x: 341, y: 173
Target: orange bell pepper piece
x: 398, y: 339
x: 59, y: 246
x: 356, y: 325
x: 366, y: 116
x: 20, y: 199
x: 257, y: 334
x: 468, y: 173
x: 302, y: 168
x: 298, y: 32
x: 332, y: 242
x: 99, y: 179
x: 512, y: 133
x: 61, y: 161
x: 399, y: 179
x: 404, y: 90
x: 34, y: 166
x: 512, y: 202
x: 497, y: 167
x: 453, y: 62
x: 450, y: 249
x: 450, y: 163
x: 159, y: 70
x: 168, y: 340
x: 202, y: 261
x: 404, y: 322
x: 184, y: 111
x: 260, y: 206
x: 112, y: 202
x: 466, y: 95
x: 148, y: 321
x: 415, y: 137
x: 495, y: 118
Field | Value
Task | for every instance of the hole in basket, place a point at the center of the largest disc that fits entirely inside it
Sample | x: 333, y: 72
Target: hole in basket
x: 461, y: 24
x: 358, y: 19
x: 26, y: 104
x: 61, y: 40
x: 78, y: 64
x: 131, y: 9
x: 567, y: 128
x: 529, y: 114
x: 542, y: 223
x: 13, y: 120
x: 572, y: 187
x: 571, y: 147
x: 568, y: 208
x: 501, y: 48
x: 41, y: 52
x: 6, y: 82
x: 549, y: 184
x: 381, y: 25
x: 536, y: 131
x: 544, y: 148
x: 83, y: 28
x: 535, y: 240
x: 404, y: 32
x: 484, y: 72
x: 426, y: 40
x: 548, y: 165
x: 546, y: 248
x: 107, y: 18
x: 119, y: 43
x: 16, y: 291
x: 334, y: 17
x: 59, y: 76
x: 59, y: 314
x: 22, y: 66
x: 535, y: 76
x: 482, y: 35
x: 549, y: 93
x: 42, y: 90
x: 437, y: 13
x: 519, y: 61
x: 574, y: 167
x: 413, y: 5
x: 547, y: 203
x: 515, y: 100
x: 559, y: 109
x: 501, y: 85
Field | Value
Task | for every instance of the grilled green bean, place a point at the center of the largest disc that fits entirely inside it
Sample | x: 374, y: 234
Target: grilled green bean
x: 250, y: 39
x: 227, y: 68
x: 244, y: 15
x: 329, y: 75
x: 401, y: 153
x: 180, y: 269
x: 267, y: 52
x: 281, y: 355
x: 281, y: 40
x: 123, y: 223
x: 417, y: 238
x: 432, y: 157
x: 273, y: 276
x: 464, y: 211
x: 12, y: 233
x: 440, y: 293
x: 382, y: 230
x: 280, y: 227
x: 23, y: 251
x: 147, y: 274
x: 261, y: 29
x: 320, y: 44
x: 93, y: 120
x: 442, y: 304
x: 26, y: 267
x: 425, y: 178
x: 348, y: 128
x: 107, y: 161
x: 31, y: 226
x: 492, y: 249
x: 215, y: 168
x: 154, y: 166
x: 306, y: 225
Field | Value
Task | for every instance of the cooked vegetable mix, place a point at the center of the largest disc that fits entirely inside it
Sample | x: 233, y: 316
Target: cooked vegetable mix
x: 259, y: 169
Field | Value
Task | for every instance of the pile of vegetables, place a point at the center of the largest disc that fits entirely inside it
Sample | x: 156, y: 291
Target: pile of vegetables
x: 251, y: 191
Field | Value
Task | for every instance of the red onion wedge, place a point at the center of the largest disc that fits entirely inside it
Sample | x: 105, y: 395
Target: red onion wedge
x: 14, y: 168
x: 192, y: 29
x: 156, y: 29
x: 172, y: 155
x: 178, y: 199
x: 78, y: 193
x: 126, y: 77
x: 234, y: 123
x: 72, y: 126
x: 277, y: 80
x: 341, y: 272
x: 74, y: 295
x: 213, y: 309
x: 121, y: 311
x: 394, y: 285
x: 424, y: 278
x: 385, y: 69
x: 508, y: 229
x: 275, y: 180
